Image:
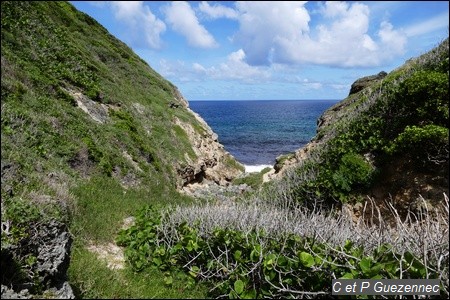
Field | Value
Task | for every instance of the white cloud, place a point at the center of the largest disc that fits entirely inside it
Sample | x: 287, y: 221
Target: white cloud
x: 391, y: 39
x: 334, y: 9
x: 100, y: 4
x: 198, y: 68
x: 217, y: 11
x: 262, y: 23
x: 313, y: 85
x: 438, y: 22
x: 176, y: 71
x: 141, y: 21
x: 183, y: 20
x: 340, y: 87
x: 280, y: 33
x: 235, y: 68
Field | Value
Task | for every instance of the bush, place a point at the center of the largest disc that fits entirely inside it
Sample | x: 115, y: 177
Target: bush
x: 426, y: 144
x: 420, y: 99
x: 428, y: 92
x: 354, y: 171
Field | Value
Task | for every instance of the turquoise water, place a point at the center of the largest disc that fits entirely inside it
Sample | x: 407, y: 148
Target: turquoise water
x: 256, y: 132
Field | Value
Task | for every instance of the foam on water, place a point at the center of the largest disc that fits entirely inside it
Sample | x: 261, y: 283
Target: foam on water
x: 257, y: 168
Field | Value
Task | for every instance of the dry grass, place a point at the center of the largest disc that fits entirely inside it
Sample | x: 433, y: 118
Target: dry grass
x: 423, y: 234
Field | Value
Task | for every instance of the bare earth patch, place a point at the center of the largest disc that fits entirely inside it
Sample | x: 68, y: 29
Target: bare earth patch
x: 111, y: 254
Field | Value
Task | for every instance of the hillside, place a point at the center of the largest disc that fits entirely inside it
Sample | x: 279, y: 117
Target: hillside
x: 100, y: 154
x: 90, y: 133
x: 388, y: 140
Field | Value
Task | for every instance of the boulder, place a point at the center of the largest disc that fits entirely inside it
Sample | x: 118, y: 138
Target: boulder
x: 8, y: 293
x: 53, y: 243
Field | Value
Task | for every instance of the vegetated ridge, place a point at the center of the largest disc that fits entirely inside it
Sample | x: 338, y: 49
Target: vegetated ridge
x: 387, y: 139
x: 80, y: 111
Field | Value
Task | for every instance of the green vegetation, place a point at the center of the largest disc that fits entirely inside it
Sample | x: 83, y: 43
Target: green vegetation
x: 254, y: 179
x: 272, y: 245
x: 89, y: 170
x: 90, y: 137
x: 98, y: 281
x: 353, y: 170
x: 404, y: 118
x: 96, y: 224
x: 434, y: 136
x: 230, y: 161
x: 282, y: 159
x: 245, y: 260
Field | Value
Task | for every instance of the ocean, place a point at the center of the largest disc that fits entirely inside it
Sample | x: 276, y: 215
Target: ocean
x: 256, y: 132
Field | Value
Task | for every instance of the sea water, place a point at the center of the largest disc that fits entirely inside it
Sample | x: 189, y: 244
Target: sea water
x: 256, y: 132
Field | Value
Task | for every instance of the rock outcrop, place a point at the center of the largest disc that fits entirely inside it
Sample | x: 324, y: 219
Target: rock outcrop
x: 364, y: 82
x: 49, y: 244
x: 213, y: 164
x: 285, y: 162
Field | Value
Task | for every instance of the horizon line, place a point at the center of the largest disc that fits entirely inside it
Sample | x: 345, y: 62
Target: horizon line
x: 197, y: 100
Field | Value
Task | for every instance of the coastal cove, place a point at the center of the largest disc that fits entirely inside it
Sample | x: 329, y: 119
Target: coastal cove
x: 255, y: 132
x: 115, y: 186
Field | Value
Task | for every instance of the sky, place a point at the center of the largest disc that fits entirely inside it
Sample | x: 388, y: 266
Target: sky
x: 272, y: 50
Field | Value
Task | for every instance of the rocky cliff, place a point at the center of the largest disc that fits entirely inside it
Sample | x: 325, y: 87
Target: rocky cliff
x: 213, y: 163
x: 364, y: 82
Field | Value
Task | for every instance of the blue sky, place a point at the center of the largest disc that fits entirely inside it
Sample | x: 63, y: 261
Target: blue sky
x: 251, y: 50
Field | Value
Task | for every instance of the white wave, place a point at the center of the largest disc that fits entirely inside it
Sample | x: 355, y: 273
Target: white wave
x: 257, y: 168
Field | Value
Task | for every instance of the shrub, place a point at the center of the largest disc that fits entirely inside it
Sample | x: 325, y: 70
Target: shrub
x: 18, y: 214
x: 420, y: 99
x: 354, y: 171
x: 426, y: 144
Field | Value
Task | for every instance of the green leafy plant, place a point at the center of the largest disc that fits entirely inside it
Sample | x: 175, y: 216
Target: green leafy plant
x: 353, y: 171
x: 427, y: 144
x: 257, y: 264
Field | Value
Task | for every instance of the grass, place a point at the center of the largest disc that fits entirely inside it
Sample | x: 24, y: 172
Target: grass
x: 94, y: 280
x: 50, y: 53
x: 183, y: 140
x: 254, y: 179
x: 230, y: 161
x: 102, y: 206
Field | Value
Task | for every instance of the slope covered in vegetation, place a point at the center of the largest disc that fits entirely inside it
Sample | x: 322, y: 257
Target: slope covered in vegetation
x: 389, y: 139
x: 89, y: 134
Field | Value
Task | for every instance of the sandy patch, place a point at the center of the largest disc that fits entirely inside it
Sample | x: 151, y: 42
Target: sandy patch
x: 111, y: 254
